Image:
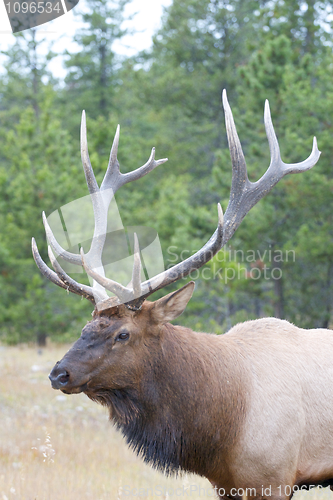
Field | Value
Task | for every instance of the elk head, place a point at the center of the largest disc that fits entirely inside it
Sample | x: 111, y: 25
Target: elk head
x: 116, y: 345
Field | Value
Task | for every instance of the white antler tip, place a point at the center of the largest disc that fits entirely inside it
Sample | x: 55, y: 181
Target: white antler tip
x: 114, y: 148
x: 225, y: 99
x: 315, y: 145
x: 116, y: 135
x: 220, y: 214
x: 162, y: 161
x: 152, y: 154
x: 267, y: 109
x: 83, y: 121
x: 83, y: 134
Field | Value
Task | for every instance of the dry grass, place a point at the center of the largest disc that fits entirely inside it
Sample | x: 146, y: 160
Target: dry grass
x: 57, y: 447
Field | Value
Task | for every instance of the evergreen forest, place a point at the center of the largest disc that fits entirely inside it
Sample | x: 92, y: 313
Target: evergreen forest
x: 280, y: 261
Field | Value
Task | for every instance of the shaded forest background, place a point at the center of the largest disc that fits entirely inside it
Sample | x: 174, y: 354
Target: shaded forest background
x: 280, y: 261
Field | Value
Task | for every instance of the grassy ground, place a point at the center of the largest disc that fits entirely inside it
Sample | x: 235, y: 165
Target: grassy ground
x: 57, y: 447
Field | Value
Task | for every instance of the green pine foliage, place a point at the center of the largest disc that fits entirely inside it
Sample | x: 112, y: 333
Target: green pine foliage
x: 39, y: 170
x: 92, y: 77
x: 280, y: 260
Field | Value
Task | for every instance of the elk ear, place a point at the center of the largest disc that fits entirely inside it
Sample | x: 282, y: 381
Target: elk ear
x: 171, y: 306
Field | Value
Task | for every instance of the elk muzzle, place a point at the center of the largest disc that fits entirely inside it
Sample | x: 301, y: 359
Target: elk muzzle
x: 61, y: 379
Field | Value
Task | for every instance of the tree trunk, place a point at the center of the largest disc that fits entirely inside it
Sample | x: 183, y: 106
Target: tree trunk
x: 328, y: 295
x: 278, y: 287
x: 41, y: 339
x: 103, y: 77
x: 309, y: 21
x: 34, y: 70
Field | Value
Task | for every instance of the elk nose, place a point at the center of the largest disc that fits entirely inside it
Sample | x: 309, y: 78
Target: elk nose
x: 59, y: 380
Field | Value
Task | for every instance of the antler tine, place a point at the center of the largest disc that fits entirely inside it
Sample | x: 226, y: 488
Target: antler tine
x: 88, y: 171
x: 112, y: 174
x: 136, y: 274
x: 68, y: 256
x: 114, y: 148
x: 52, y: 276
x: 119, y: 290
x: 239, y: 170
x: 274, y: 147
x: 84, y: 290
x: 114, y: 179
x: 44, y: 268
x: 100, y: 205
x: 277, y: 165
x: 145, y: 169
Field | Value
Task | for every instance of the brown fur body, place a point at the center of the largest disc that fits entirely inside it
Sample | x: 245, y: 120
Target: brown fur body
x: 249, y: 409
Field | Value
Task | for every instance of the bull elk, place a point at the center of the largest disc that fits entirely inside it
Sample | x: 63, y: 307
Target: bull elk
x: 251, y: 410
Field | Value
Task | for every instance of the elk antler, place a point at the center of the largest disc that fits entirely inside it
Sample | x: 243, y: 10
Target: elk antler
x: 101, y: 198
x: 244, y: 195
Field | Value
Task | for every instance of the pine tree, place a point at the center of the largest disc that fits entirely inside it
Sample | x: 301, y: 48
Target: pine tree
x: 93, y: 69
x: 27, y: 73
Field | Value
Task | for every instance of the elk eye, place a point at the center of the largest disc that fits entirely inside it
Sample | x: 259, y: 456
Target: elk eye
x: 122, y: 336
